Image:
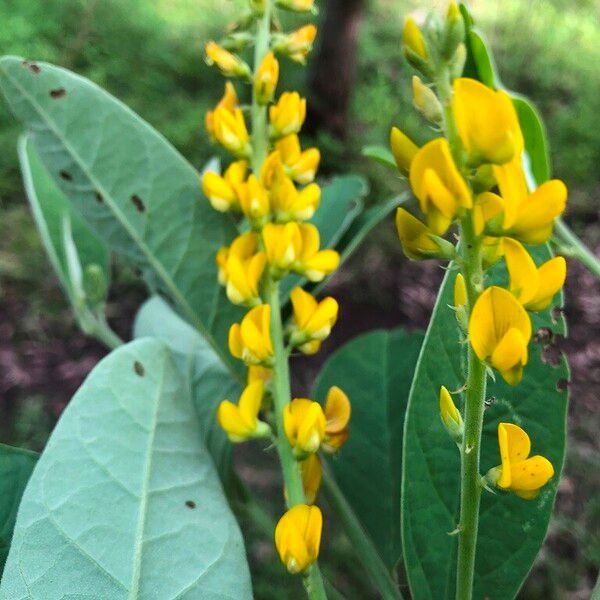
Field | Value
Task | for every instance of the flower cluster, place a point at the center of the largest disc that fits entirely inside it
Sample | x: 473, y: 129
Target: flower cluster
x: 474, y: 178
x: 270, y: 185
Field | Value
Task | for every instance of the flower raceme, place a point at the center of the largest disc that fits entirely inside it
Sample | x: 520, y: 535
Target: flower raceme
x: 240, y: 422
x: 298, y: 537
x: 250, y: 340
x: 312, y: 320
x: 519, y: 473
x: 534, y: 287
x: 304, y: 423
x: 337, y: 416
x: 499, y: 332
x: 295, y: 247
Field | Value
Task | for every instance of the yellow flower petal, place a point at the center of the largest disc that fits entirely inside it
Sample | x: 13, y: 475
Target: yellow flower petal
x: 552, y: 275
x: 460, y: 291
x: 304, y: 425
x: 413, y: 39
x: 337, y: 410
x: 510, y: 356
x: 448, y: 411
x: 532, y: 474
x: 403, y: 149
x: 311, y: 471
x: 523, y: 274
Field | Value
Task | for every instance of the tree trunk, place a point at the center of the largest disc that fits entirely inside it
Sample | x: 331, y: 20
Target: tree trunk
x: 333, y: 68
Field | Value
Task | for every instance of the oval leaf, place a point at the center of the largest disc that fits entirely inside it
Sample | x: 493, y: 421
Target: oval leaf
x: 511, y: 530
x: 134, y: 189
x: 375, y: 370
x: 124, y: 501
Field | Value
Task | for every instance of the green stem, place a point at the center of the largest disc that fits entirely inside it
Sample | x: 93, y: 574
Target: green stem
x: 470, y: 450
x: 361, y: 542
x: 572, y: 247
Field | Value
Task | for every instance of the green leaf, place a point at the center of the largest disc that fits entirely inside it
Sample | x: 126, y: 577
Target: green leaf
x: 133, y: 188
x: 16, y: 465
x: 535, y: 139
x: 381, y: 154
x: 51, y: 210
x: 124, y: 501
x: 482, y: 59
x: 511, y: 530
x: 375, y: 370
x: 208, y: 379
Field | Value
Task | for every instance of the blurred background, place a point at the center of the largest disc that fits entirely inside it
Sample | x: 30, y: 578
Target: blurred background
x: 149, y: 53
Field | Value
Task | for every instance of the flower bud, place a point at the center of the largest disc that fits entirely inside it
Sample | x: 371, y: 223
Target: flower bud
x: 460, y: 301
x: 450, y: 416
x: 297, y: 5
x: 229, y: 64
x: 296, y: 45
x: 426, y: 102
x: 418, y: 241
x: 454, y: 31
x: 403, y: 149
x: 414, y: 47
x: 265, y: 79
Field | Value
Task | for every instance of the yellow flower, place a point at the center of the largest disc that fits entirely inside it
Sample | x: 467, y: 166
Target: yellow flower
x: 413, y: 39
x: 289, y: 204
x: 528, y: 217
x: 221, y: 191
x: 300, y: 165
x: 311, y: 471
x: 438, y: 185
x: 487, y: 122
x: 258, y: 373
x: 312, y: 320
x: 272, y: 169
x: 250, y: 340
x: 298, y: 537
x: 230, y: 130
x: 418, y: 241
x: 534, y: 287
x: 297, y: 44
x: 499, y: 331
x: 450, y: 416
x: 254, y: 199
x: 229, y: 64
x: 403, y: 149
x: 520, y: 473
x: 337, y: 417
x: 243, y: 278
x: 228, y: 101
x: 240, y: 422
x: 295, y: 247
x: 265, y: 79
x: 243, y: 247
x: 304, y: 425
x: 287, y: 116
x: 296, y: 5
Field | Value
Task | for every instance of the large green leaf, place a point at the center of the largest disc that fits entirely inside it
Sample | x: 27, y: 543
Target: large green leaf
x: 16, y: 465
x: 375, y: 370
x: 51, y: 210
x: 209, y: 380
x: 511, y: 530
x: 137, y: 193
x: 124, y: 501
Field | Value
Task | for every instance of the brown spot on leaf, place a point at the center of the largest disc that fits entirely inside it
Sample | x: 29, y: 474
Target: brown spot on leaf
x: 543, y: 335
x: 562, y: 385
x: 190, y: 504
x: 138, y: 367
x: 33, y: 67
x: 58, y: 93
x: 557, y: 313
x: 66, y: 175
x: 98, y: 196
x: 138, y: 203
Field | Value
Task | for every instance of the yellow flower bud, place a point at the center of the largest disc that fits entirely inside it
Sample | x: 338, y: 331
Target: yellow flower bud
x: 300, y: 166
x: 403, y: 149
x: 534, y: 287
x: 418, y: 241
x: 221, y: 191
x: 254, y: 199
x: 499, y: 332
x: 312, y: 320
x: 289, y: 204
x: 240, y: 422
x: 426, y: 102
x: 250, y: 340
x: 337, y: 417
x: 221, y: 260
x: 287, y: 116
x: 518, y: 472
x: 487, y: 122
x: 454, y: 31
x: 229, y: 64
x: 296, y: 45
x: 438, y: 185
x: 298, y: 537
x: 297, y: 5
x: 311, y: 471
x: 413, y: 39
x: 265, y: 79
x: 229, y: 101
x: 450, y: 416
x: 231, y: 132
x: 460, y: 301
x: 304, y: 425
